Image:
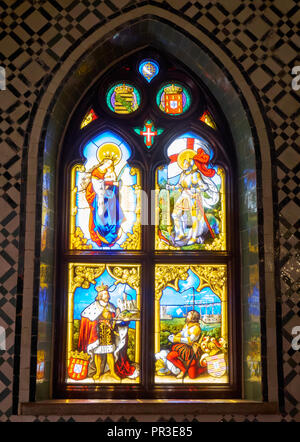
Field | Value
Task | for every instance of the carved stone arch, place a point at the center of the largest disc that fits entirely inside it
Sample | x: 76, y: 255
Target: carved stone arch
x: 64, y: 88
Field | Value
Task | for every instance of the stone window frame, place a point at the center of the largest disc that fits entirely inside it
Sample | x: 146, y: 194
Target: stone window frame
x: 251, y: 136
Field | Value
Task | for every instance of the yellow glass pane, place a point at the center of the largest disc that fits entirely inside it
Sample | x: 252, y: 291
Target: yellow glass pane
x: 191, y: 331
x: 103, y: 324
x: 190, y: 198
x: 88, y: 118
x: 208, y: 119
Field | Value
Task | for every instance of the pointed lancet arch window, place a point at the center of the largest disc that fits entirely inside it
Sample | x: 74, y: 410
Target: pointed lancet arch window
x: 147, y: 245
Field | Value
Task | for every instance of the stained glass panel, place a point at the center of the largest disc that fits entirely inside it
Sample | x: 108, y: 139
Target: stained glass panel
x: 149, y: 132
x: 173, y: 99
x: 123, y: 98
x: 88, y: 118
x: 208, y: 119
x: 148, y: 69
x: 45, y: 208
x: 103, y: 327
x: 40, y: 366
x: 190, y: 198
x: 44, y: 317
x: 191, y: 324
x: 105, y: 197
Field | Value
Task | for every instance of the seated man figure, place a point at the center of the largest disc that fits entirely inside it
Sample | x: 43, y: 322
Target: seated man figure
x: 185, y: 352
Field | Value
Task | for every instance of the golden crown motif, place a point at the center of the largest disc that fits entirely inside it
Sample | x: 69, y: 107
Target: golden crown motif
x: 173, y: 89
x: 80, y: 355
x: 124, y: 89
x: 101, y: 288
x: 109, y: 151
x: 109, y: 155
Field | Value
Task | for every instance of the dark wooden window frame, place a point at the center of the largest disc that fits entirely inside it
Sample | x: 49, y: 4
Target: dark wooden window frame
x: 148, y: 161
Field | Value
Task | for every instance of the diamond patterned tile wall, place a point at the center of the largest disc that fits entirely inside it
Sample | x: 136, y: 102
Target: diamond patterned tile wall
x: 262, y: 37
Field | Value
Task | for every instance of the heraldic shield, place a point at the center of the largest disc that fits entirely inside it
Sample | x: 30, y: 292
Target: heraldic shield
x: 78, y: 366
x: 173, y: 100
x: 216, y: 365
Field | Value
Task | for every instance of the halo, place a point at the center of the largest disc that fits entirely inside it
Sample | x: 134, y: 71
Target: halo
x: 187, y: 154
x: 109, y: 151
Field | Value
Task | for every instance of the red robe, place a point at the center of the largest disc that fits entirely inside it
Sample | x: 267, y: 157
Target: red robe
x: 87, y: 333
x: 88, y: 324
x: 90, y: 196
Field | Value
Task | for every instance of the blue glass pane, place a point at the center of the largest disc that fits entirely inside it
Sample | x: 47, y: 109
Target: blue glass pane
x: 148, y: 69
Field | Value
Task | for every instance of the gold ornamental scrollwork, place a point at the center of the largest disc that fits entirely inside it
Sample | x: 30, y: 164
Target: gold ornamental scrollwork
x: 83, y: 276
x: 125, y: 275
x: 134, y: 239
x: 218, y: 243
x: 212, y: 276
x: 78, y: 241
x: 166, y: 275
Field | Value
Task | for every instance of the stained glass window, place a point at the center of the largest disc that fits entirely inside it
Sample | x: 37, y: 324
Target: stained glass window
x: 146, y: 284
x: 105, y: 200
x: 149, y: 132
x: 190, y: 198
x: 40, y: 371
x: 45, y: 208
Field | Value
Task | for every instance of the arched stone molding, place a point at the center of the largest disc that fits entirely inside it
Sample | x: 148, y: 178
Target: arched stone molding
x: 235, y: 95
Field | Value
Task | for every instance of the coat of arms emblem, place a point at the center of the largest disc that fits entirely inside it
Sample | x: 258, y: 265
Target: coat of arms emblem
x: 173, y: 100
x: 216, y: 365
x: 78, y: 365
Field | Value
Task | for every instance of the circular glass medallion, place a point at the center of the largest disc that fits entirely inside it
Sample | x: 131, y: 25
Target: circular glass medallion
x: 123, y: 98
x: 173, y: 99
